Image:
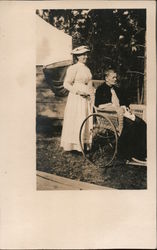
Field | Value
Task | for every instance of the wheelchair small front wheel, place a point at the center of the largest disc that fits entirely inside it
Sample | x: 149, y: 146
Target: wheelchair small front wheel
x: 98, y: 140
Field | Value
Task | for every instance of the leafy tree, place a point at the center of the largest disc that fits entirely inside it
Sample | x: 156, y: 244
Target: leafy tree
x: 116, y: 38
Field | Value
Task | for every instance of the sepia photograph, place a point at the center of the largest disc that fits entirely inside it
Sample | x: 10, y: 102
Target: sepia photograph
x: 78, y: 124
x: 91, y: 88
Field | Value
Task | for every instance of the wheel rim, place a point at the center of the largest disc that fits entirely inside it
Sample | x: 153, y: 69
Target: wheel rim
x: 102, y: 138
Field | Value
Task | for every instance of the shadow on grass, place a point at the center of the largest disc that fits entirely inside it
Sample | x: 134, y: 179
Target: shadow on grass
x: 52, y: 159
x: 48, y: 127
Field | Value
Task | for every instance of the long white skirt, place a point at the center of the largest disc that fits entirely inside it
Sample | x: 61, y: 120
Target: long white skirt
x: 76, y: 110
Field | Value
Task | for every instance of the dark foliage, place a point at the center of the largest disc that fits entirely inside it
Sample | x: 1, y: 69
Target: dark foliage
x: 116, y: 38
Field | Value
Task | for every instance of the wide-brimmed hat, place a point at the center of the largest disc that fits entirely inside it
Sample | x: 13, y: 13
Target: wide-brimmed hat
x: 80, y: 50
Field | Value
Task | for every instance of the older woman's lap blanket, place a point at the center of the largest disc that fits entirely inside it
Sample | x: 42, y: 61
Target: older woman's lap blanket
x: 132, y: 142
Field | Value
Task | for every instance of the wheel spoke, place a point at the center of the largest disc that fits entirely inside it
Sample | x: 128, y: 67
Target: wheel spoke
x: 104, y: 140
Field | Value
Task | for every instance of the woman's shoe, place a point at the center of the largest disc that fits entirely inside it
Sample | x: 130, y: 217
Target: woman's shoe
x: 139, y: 160
x: 136, y: 162
x: 87, y: 147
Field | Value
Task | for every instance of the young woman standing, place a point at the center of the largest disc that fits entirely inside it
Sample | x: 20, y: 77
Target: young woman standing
x: 78, y: 81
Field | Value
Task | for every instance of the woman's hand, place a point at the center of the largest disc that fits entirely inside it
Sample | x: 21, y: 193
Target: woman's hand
x: 83, y: 94
x: 126, y: 109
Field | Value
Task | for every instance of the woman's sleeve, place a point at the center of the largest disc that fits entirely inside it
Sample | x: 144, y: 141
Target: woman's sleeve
x: 91, y: 92
x: 91, y: 88
x: 69, y: 79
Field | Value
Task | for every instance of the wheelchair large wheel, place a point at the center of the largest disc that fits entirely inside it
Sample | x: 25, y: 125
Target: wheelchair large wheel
x: 98, y: 140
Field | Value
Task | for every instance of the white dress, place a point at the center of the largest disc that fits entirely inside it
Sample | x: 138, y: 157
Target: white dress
x: 78, y: 77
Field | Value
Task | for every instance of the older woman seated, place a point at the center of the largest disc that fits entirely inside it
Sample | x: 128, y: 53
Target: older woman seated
x: 132, y: 140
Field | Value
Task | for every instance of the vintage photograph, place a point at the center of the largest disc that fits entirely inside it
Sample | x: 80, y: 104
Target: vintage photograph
x: 78, y: 124
x: 91, y: 88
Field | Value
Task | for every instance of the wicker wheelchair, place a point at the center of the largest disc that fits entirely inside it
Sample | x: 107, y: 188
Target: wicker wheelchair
x: 104, y: 128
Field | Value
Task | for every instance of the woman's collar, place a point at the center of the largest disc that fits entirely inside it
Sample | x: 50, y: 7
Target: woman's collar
x: 80, y: 63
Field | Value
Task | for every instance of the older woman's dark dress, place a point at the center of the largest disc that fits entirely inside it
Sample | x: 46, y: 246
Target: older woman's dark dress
x: 132, y: 141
